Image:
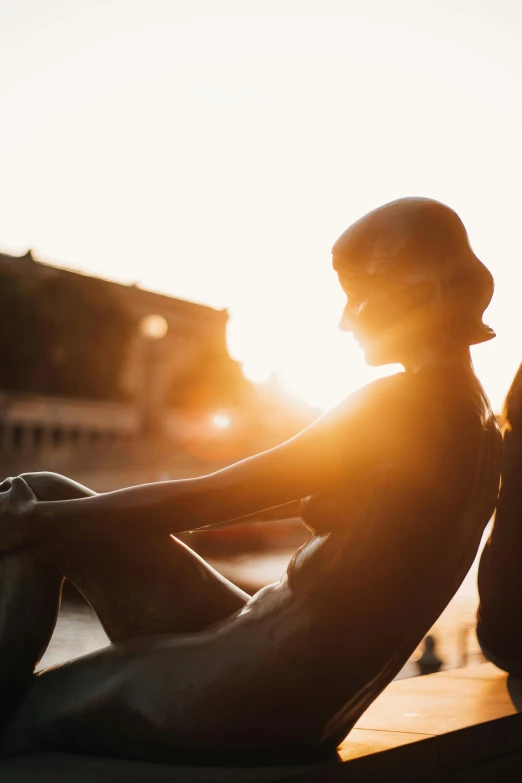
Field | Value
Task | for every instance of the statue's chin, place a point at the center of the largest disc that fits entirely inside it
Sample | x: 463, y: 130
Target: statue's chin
x: 376, y: 356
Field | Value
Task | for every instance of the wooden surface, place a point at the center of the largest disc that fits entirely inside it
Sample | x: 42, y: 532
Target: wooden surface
x: 463, y: 725
x: 431, y: 727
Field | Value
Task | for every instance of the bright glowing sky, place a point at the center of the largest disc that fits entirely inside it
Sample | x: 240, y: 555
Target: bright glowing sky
x: 215, y: 149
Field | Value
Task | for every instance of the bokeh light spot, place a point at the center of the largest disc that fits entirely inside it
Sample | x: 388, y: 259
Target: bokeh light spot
x: 153, y: 327
x: 221, y: 420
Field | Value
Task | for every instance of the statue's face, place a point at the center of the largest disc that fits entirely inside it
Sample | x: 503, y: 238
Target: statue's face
x: 376, y: 313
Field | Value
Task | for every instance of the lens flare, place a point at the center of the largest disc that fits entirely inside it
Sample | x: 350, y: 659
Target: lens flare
x: 221, y: 420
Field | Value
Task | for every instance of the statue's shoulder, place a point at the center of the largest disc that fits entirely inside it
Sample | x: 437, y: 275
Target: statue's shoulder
x: 377, y: 396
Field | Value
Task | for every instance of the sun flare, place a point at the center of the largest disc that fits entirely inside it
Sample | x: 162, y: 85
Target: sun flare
x: 311, y: 359
x: 221, y: 421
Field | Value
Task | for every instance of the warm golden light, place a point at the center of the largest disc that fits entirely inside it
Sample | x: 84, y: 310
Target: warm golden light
x: 310, y: 357
x: 291, y: 130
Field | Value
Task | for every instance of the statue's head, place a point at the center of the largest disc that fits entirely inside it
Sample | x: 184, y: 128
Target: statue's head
x: 412, y: 280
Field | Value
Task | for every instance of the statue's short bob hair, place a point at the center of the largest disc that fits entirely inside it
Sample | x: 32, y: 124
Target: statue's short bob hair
x: 418, y: 240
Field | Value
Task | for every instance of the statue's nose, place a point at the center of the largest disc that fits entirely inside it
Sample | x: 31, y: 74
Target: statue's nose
x: 345, y: 324
x: 350, y: 315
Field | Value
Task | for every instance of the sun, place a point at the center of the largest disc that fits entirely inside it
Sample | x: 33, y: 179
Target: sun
x: 310, y: 357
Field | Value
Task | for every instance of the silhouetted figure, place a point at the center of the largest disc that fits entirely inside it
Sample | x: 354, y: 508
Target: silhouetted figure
x: 400, y: 480
x: 499, y: 626
x: 462, y: 641
x: 429, y: 662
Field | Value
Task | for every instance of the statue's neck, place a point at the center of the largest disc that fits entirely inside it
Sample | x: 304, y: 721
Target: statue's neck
x: 434, y: 356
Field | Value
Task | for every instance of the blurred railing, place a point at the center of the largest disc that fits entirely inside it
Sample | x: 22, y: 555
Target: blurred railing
x: 84, y: 439
x: 108, y: 445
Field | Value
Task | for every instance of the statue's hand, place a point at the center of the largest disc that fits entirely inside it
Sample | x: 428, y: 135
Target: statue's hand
x: 17, y: 502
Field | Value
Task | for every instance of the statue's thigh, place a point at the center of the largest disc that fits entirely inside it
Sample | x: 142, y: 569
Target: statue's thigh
x: 113, y: 702
x: 146, y: 586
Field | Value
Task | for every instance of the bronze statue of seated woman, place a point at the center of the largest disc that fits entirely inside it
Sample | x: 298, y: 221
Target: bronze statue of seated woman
x: 398, y: 484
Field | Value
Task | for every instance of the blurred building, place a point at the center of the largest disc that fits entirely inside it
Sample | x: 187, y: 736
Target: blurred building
x: 98, y: 375
x: 183, y: 328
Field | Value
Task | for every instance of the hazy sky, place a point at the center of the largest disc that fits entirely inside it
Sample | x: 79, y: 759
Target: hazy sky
x: 215, y: 150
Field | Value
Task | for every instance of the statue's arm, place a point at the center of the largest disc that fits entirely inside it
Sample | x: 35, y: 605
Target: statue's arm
x: 289, y: 510
x: 314, y: 461
x: 299, y: 467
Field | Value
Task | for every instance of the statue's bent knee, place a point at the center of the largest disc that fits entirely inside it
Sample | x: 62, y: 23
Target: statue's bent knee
x: 52, y: 486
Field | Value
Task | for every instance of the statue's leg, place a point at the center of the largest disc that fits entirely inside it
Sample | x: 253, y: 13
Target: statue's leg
x: 499, y: 626
x: 151, y: 698
x: 139, y: 586
x: 29, y: 600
